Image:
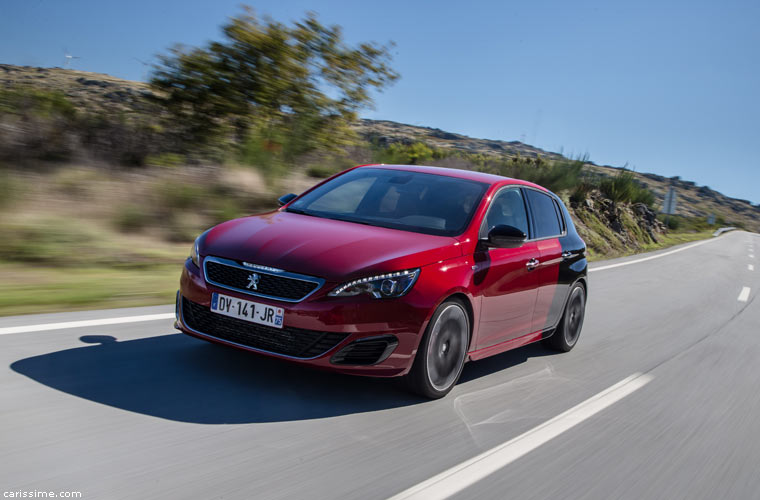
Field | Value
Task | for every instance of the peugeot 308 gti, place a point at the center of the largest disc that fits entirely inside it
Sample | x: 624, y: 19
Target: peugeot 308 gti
x: 392, y: 271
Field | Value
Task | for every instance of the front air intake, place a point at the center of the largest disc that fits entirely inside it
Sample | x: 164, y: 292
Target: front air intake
x: 368, y: 351
x: 287, y: 341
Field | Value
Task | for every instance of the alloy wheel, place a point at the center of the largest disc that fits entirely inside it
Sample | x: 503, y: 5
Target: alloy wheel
x: 447, y: 347
x: 574, y: 316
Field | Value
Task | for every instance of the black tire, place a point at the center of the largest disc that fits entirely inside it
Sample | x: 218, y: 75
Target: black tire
x: 569, y: 329
x: 442, y: 352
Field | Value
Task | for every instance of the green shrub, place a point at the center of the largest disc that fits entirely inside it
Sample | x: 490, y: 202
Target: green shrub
x: 581, y: 192
x: 132, y: 218
x: 406, y: 154
x: 320, y: 172
x: 624, y: 188
x: 57, y: 241
x: 180, y: 229
x: 166, y: 160
x: 10, y: 188
x: 619, y: 188
x: 685, y: 224
x: 645, y: 196
x: 672, y: 222
x: 38, y: 103
x: 555, y: 175
x: 78, y: 182
x: 226, y: 209
x: 263, y: 152
x: 178, y: 196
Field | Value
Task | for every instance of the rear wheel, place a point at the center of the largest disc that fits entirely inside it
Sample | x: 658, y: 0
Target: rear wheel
x: 441, y: 355
x: 569, y: 329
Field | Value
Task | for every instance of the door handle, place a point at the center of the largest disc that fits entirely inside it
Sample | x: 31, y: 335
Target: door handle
x: 567, y: 255
x: 531, y: 264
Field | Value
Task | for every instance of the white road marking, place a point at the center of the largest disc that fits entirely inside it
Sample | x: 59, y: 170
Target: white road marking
x: 744, y: 294
x: 750, y: 267
x: 751, y: 256
x: 84, y: 323
x: 459, y: 477
x: 628, y: 263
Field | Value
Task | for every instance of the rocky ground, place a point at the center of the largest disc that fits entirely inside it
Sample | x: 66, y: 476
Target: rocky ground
x: 615, y: 229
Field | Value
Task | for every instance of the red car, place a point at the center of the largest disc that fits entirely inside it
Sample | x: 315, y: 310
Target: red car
x: 389, y: 271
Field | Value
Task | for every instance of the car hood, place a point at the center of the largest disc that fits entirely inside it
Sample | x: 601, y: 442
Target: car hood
x: 334, y: 250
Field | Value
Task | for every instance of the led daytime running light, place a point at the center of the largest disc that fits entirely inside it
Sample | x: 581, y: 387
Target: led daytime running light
x: 348, y: 285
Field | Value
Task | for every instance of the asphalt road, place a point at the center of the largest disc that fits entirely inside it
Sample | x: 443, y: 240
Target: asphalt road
x: 136, y: 410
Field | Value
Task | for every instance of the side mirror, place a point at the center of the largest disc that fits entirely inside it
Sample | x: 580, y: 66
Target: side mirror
x: 286, y: 198
x: 504, y: 236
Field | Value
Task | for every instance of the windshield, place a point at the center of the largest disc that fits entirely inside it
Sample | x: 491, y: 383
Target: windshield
x: 410, y: 201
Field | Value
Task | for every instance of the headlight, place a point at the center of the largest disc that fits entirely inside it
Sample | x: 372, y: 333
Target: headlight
x: 194, y: 252
x: 382, y: 286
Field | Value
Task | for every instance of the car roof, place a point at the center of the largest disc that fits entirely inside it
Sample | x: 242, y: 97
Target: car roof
x: 472, y: 175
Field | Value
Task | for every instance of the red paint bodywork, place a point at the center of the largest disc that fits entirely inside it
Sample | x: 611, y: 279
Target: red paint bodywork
x: 494, y: 283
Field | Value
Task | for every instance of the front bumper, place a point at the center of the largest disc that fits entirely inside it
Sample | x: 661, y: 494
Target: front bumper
x: 360, y: 336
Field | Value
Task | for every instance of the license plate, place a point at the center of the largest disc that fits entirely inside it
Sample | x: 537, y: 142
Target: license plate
x: 247, y: 310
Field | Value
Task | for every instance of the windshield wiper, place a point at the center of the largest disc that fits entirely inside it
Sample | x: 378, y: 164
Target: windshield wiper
x: 299, y: 211
x: 347, y: 220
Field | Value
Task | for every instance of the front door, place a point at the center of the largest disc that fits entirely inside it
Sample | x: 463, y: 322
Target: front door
x: 504, y: 277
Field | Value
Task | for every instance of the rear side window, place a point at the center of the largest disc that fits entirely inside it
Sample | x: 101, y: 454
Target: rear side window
x: 562, y: 225
x: 545, y: 215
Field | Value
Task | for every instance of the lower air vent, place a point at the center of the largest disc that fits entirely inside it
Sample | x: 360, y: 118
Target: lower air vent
x: 369, y: 351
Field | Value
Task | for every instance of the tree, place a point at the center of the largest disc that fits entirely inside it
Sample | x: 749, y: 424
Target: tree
x: 291, y: 88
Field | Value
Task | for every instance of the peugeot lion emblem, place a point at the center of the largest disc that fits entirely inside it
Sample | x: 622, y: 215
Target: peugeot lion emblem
x: 253, y: 281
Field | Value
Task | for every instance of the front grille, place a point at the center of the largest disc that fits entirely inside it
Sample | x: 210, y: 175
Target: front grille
x: 269, y: 285
x: 368, y: 351
x: 288, y: 341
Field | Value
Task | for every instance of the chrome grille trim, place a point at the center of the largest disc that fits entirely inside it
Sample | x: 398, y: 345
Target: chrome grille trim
x: 284, y: 274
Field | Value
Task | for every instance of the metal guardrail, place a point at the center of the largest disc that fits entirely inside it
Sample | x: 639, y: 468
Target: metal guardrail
x: 723, y: 230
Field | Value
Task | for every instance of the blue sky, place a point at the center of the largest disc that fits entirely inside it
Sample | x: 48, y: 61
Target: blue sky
x: 666, y: 87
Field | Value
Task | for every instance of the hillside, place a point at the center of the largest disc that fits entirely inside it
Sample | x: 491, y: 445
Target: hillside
x: 387, y: 132
x: 693, y: 200
x: 85, y: 90
x: 95, y: 92
x: 97, y: 199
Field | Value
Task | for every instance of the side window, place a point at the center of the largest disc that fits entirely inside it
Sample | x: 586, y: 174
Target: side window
x: 508, y: 208
x: 544, y: 213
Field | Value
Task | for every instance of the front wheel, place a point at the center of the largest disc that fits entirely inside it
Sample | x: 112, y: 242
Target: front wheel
x: 569, y: 329
x: 441, y: 355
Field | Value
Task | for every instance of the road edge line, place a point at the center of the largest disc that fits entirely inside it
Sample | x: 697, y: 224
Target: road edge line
x: 84, y: 323
x: 469, y: 472
x: 652, y: 257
